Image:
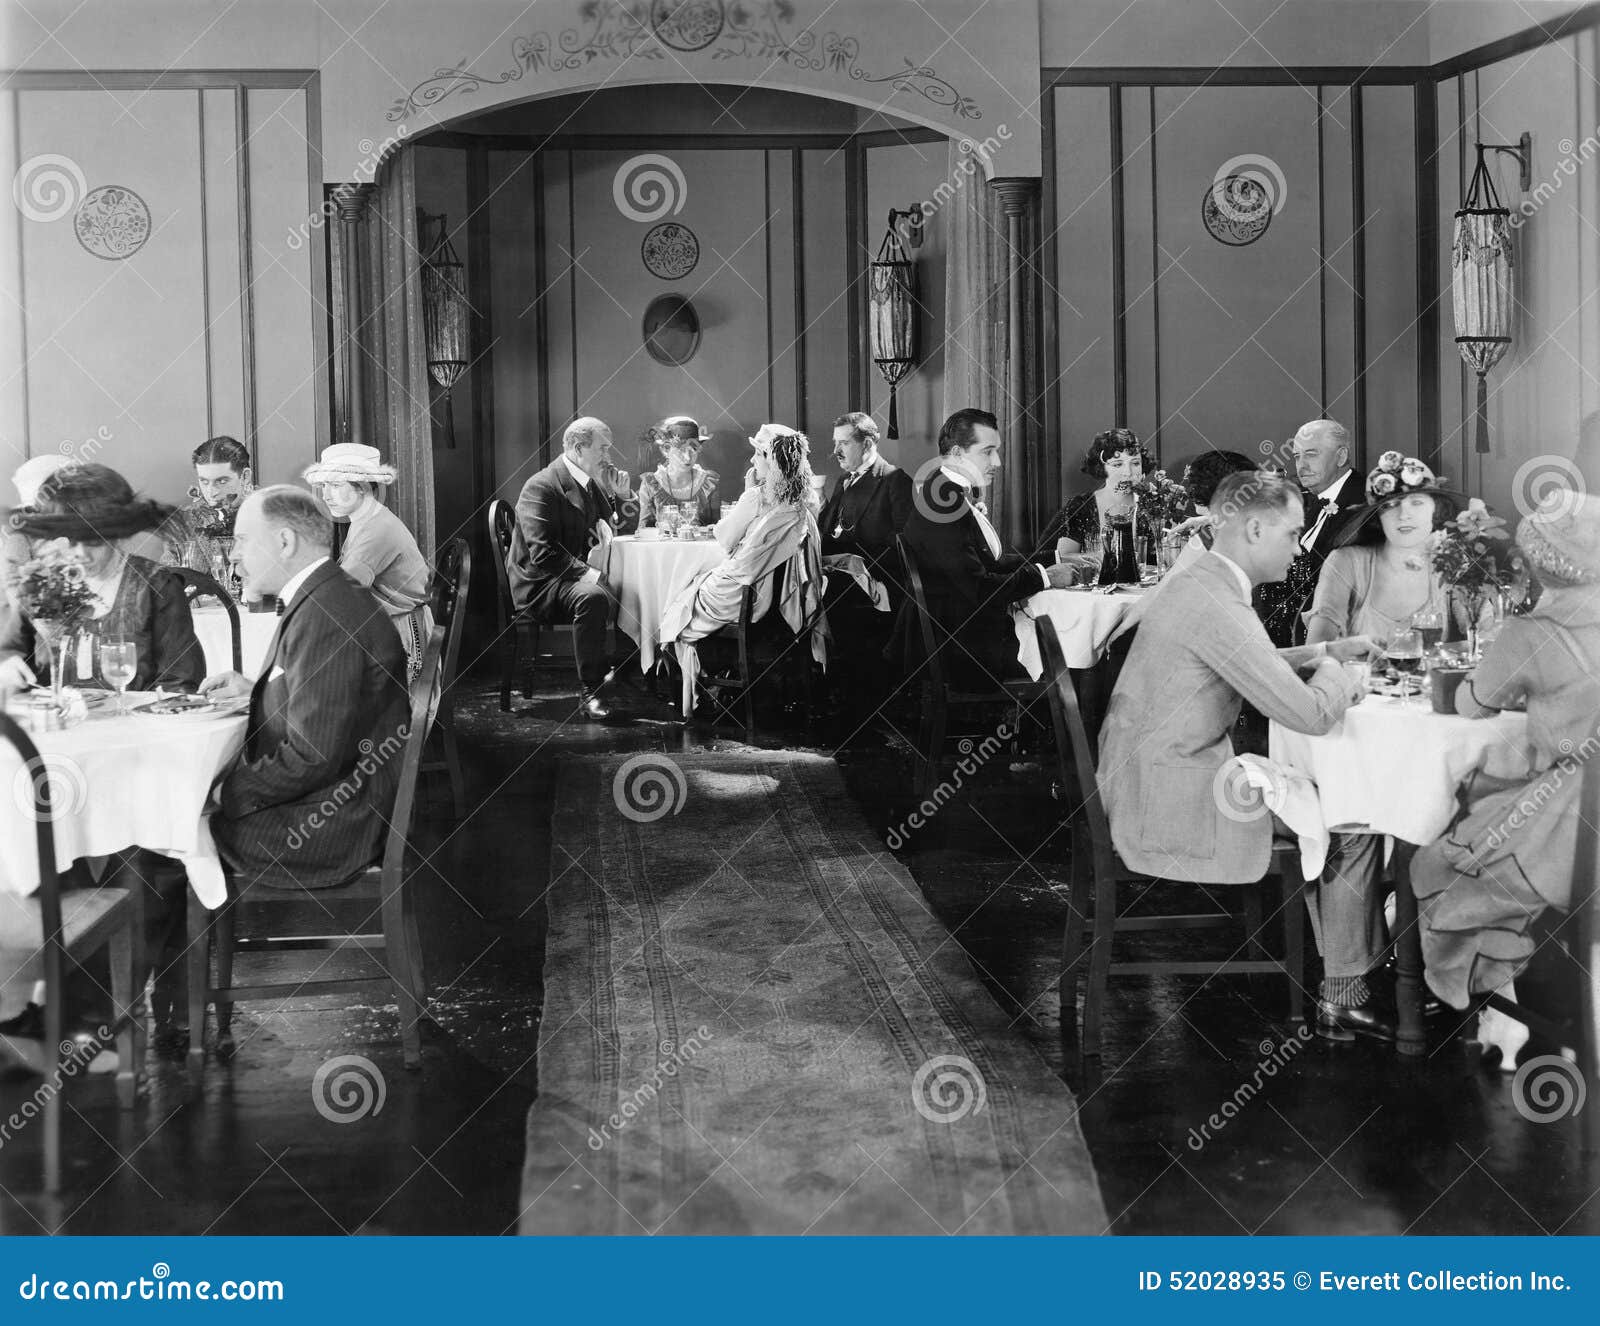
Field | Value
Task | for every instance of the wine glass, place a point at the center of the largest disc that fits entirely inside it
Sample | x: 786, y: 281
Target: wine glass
x: 119, y: 660
x: 1404, y: 654
x: 1094, y: 547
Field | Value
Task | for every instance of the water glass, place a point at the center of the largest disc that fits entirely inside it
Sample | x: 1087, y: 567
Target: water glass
x: 119, y: 660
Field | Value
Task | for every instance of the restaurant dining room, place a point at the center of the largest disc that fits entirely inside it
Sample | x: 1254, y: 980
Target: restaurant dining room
x: 993, y: 618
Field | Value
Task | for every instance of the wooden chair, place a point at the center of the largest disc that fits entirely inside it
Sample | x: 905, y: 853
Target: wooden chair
x: 74, y: 925
x: 452, y: 581
x: 940, y: 695
x: 519, y: 635
x: 1097, y: 871
x: 762, y: 653
x: 382, y: 890
x: 197, y: 584
x: 1580, y: 1030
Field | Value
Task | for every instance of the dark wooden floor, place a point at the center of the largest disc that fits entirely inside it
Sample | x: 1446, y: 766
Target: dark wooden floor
x: 1337, y: 1140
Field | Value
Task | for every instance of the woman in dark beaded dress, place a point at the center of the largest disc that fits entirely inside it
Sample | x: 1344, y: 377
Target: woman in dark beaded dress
x: 1119, y: 461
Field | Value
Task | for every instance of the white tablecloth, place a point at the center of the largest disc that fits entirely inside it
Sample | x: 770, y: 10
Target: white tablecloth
x: 1394, y: 766
x: 136, y: 781
x: 1086, y: 621
x: 255, y: 635
x: 644, y: 574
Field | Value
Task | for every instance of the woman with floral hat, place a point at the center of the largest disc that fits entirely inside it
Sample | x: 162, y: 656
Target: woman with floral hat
x: 1511, y: 853
x: 379, y: 551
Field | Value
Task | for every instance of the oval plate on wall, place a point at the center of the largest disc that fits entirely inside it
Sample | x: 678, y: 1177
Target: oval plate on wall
x: 671, y: 329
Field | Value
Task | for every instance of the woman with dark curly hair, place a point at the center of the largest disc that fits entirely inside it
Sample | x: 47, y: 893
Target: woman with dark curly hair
x: 1118, y: 459
x: 772, y: 528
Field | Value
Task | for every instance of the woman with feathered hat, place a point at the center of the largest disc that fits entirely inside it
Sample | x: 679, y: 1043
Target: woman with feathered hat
x: 379, y: 551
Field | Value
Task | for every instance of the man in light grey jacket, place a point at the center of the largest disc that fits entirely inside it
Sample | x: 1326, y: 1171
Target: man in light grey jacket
x: 1199, y: 652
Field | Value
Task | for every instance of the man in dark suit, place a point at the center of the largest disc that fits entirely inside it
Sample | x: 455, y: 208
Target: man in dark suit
x: 969, y: 579
x: 309, y: 799
x: 866, y: 510
x: 1328, y: 486
x: 563, y: 513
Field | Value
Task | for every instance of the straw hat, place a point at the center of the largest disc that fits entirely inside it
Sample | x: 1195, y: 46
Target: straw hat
x: 350, y: 462
x: 679, y: 429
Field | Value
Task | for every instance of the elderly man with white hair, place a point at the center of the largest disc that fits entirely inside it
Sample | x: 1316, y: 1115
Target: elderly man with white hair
x: 565, y: 511
x: 1328, y: 485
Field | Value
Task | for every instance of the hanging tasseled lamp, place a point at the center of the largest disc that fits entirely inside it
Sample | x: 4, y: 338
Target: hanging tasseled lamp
x: 894, y: 315
x: 444, y: 307
x: 1482, y: 284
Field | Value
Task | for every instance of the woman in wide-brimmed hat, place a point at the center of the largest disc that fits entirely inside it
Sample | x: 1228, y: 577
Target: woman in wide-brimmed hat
x: 1380, y: 574
x: 92, y: 509
x: 1511, y: 853
x: 678, y: 481
x: 379, y: 551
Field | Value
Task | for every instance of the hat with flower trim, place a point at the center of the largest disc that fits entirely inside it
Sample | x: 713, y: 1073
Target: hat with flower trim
x: 1396, y: 476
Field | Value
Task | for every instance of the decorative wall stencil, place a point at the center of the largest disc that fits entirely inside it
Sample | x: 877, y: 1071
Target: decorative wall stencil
x: 649, y: 186
x: 112, y: 222
x: 1235, y: 210
x: 744, y: 29
x: 687, y: 25
x: 670, y: 251
x: 1245, y: 194
x: 671, y: 329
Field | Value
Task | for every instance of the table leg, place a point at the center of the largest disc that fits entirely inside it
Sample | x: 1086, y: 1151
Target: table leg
x: 1410, y: 1037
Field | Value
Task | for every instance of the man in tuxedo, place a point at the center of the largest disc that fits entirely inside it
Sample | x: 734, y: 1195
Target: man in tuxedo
x: 328, y: 713
x: 564, y: 513
x: 969, y: 579
x: 865, y: 512
x: 1328, y: 486
x: 1178, y: 808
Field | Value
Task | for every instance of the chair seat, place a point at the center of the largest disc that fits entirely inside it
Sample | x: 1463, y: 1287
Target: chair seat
x: 284, y: 886
x: 84, y: 913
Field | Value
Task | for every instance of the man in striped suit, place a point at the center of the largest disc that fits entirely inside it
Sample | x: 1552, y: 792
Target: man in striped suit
x: 308, y: 802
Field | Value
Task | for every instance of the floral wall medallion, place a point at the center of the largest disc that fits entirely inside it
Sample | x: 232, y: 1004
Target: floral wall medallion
x: 686, y: 25
x: 670, y: 250
x: 1236, y: 210
x: 112, y: 222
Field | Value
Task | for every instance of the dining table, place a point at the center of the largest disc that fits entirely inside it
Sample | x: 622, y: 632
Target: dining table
x: 644, y: 574
x: 216, y: 640
x: 1393, y: 766
x: 117, y: 781
x: 1087, y: 618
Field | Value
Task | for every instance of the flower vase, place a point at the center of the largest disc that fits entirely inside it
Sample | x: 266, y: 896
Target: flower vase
x: 54, y: 635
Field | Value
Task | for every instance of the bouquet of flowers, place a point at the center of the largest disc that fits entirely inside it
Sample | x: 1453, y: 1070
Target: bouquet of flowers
x: 1163, y: 500
x: 1473, y: 555
x: 51, y: 590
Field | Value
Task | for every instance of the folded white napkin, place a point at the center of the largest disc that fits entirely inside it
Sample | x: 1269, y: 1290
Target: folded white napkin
x: 1292, y: 797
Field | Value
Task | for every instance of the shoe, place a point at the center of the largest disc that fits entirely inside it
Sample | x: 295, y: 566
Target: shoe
x: 594, y: 708
x: 1344, y: 1022
x: 28, y: 1025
